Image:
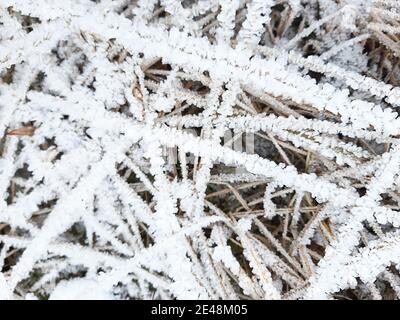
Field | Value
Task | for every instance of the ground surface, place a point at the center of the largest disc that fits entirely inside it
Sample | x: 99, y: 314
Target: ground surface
x: 163, y: 149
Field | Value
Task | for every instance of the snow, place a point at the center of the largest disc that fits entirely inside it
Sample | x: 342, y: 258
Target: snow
x: 80, y: 289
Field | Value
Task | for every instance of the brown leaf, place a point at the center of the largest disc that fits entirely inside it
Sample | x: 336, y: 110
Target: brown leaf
x: 137, y: 94
x: 188, y: 84
x: 24, y: 131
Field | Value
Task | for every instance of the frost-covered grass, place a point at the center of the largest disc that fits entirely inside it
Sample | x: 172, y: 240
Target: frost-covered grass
x: 213, y: 149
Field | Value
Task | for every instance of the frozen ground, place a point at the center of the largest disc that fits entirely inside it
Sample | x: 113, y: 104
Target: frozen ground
x: 164, y: 149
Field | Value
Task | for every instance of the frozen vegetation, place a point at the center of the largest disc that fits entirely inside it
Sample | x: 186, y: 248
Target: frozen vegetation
x: 213, y: 149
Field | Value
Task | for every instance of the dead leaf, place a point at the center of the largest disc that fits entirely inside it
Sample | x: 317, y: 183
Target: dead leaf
x: 24, y: 131
x: 137, y: 93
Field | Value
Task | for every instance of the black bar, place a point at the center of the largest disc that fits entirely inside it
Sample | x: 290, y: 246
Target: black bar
x: 150, y: 309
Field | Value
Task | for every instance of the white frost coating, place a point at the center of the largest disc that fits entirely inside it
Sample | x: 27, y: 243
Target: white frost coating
x: 224, y: 254
x: 5, y: 293
x: 80, y: 289
x: 127, y: 131
x: 226, y: 19
x: 258, y: 15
